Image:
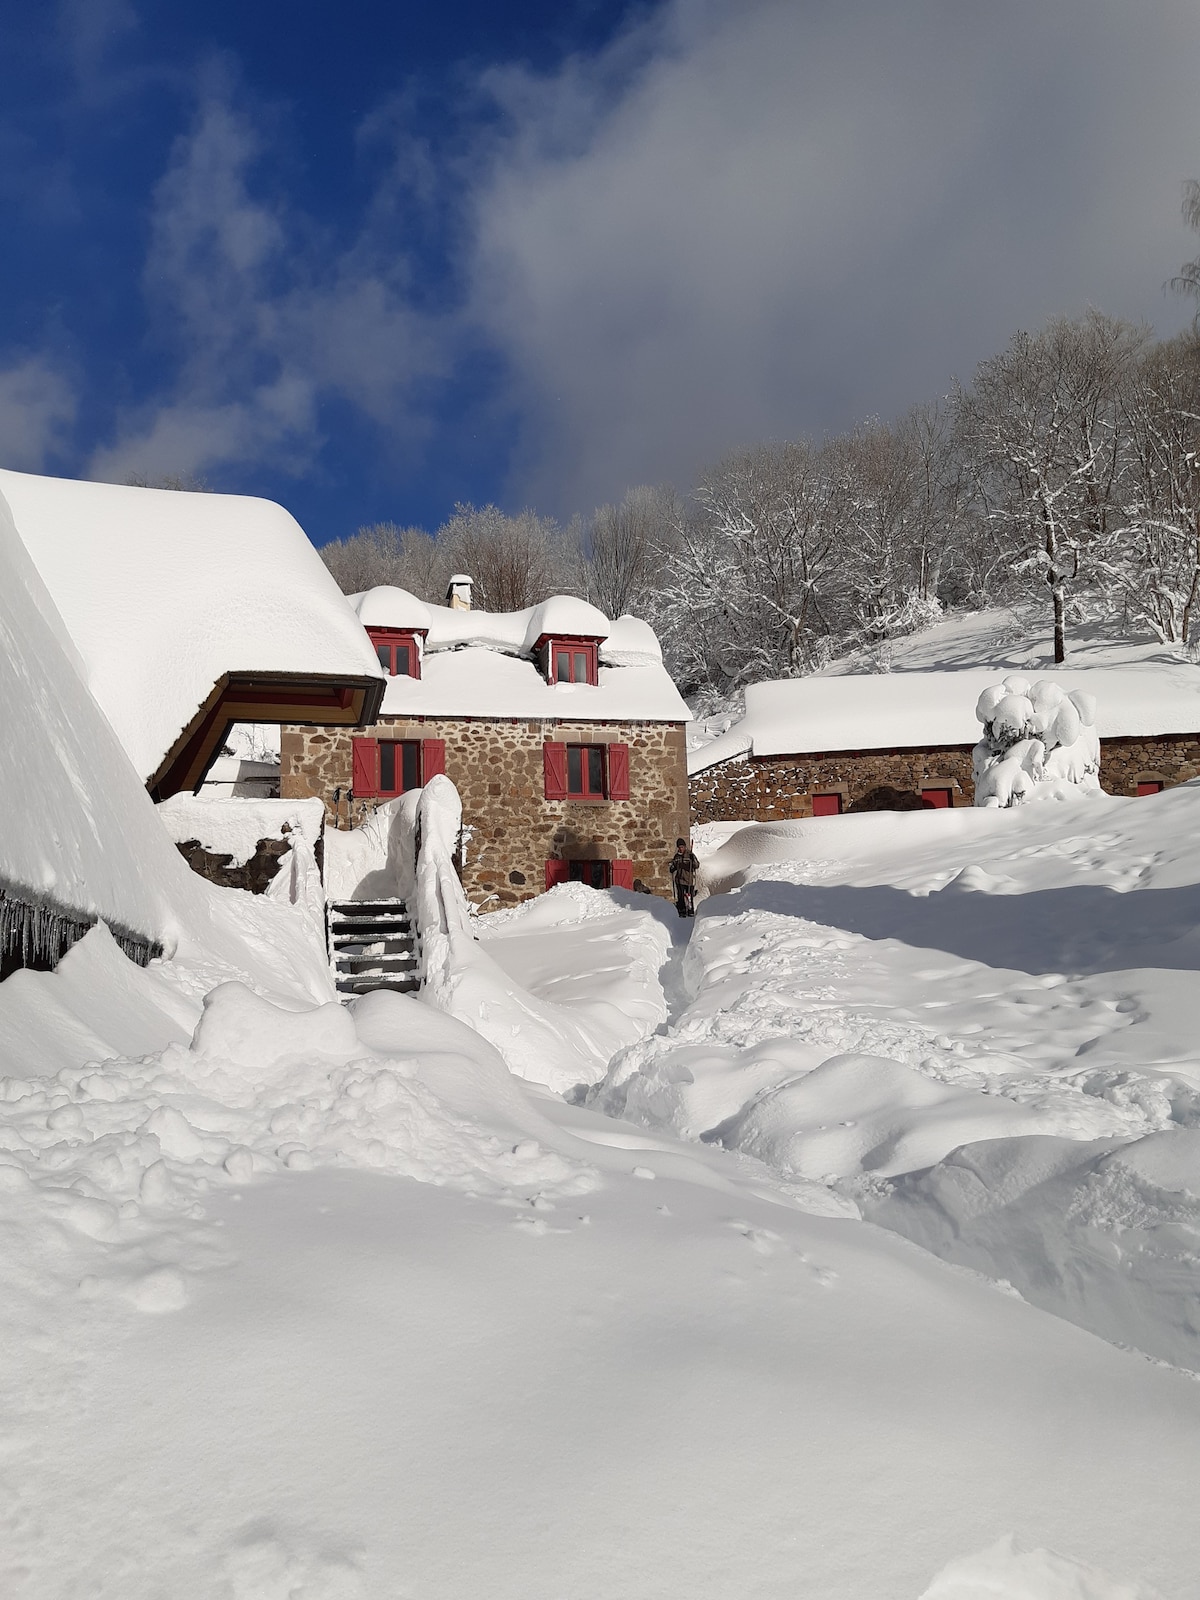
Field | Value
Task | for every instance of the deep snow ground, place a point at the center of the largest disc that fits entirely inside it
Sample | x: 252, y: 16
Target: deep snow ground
x: 331, y: 1304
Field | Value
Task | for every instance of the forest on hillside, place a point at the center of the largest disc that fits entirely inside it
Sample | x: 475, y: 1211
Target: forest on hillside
x: 1068, y: 469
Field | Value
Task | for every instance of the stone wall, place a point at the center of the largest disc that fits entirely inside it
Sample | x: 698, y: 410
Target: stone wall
x: 218, y: 867
x: 1171, y: 759
x: 772, y: 788
x: 512, y: 829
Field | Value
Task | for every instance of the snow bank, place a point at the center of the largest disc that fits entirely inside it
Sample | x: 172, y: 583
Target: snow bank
x: 130, y: 572
x: 556, y: 1015
x: 235, y: 826
x: 631, y: 643
x: 1105, y: 1233
x: 387, y: 606
x: 900, y: 710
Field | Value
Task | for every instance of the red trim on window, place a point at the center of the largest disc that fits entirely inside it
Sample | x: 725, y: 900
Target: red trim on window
x: 571, y: 647
x: 593, y: 784
x: 389, y: 639
x: 1150, y: 786
x: 556, y: 872
x: 937, y: 799
x: 364, y: 766
x: 622, y: 874
x: 827, y: 805
x: 433, y: 759
x: 618, y: 772
x: 554, y: 769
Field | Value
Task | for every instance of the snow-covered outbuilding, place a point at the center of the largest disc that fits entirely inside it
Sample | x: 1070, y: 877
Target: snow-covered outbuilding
x: 191, y: 612
x: 901, y: 741
x: 135, y: 626
x: 561, y: 729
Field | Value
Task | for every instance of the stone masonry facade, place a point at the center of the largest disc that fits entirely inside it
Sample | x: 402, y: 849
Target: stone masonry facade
x: 511, y: 830
x: 774, y: 788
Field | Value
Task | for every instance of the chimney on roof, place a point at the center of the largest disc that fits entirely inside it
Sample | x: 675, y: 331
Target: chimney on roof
x: 458, y: 592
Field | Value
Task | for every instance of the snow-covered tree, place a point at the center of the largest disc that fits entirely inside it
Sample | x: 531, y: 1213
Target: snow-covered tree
x: 1038, y: 743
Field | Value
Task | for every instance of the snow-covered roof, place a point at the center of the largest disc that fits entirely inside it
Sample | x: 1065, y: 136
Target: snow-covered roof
x: 390, y: 607
x: 78, y: 831
x: 916, y: 710
x: 480, y: 663
x: 163, y: 593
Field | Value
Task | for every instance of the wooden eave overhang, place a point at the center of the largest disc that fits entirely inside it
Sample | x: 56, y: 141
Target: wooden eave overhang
x: 294, y: 697
x: 544, y: 639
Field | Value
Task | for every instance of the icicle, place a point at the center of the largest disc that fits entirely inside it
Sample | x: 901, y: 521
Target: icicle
x: 35, y: 933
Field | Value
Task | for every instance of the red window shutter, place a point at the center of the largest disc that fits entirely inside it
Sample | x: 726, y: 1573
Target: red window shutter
x: 936, y: 799
x: 618, y: 772
x: 622, y: 874
x: 1150, y: 786
x: 433, y: 759
x: 556, y: 872
x: 365, y: 767
x: 554, y: 766
x: 827, y: 805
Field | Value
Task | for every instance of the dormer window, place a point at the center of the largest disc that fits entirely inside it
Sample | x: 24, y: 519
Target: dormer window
x: 398, y: 651
x: 570, y: 660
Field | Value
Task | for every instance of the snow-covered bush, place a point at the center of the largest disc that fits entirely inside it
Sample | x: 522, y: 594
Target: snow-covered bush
x: 1038, y: 743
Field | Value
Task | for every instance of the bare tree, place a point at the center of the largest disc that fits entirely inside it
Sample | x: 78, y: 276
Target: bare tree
x: 626, y: 545
x: 1187, y: 280
x: 1039, y: 425
x: 514, y: 561
x: 384, y: 553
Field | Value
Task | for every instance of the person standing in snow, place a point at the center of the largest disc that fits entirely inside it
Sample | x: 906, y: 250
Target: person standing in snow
x: 684, y: 868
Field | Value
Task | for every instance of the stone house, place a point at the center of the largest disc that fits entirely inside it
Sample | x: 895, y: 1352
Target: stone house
x: 561, y: 730
x: 903, y: 741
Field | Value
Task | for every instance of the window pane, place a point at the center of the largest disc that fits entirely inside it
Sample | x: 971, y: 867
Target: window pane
x: 574, y: 769
x: 581, y: 667
x: 595, y: 755
x: 387, y: 767
x: 411, y: 764
x: 562, y: 666
x: 384, y: 652
x: 403, y: 665
x: 575, y: 871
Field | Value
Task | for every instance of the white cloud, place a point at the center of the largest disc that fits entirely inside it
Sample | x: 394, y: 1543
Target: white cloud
x: 265, y: 319
x: 757, y: 218
x: 36, y: 406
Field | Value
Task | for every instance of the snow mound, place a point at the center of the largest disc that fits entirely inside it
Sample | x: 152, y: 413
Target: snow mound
x: 858, y: 1114
x: 235, y: 826
x: 1006, y: 1572
x: 631, y: 643
x: 387, y: 606
x: 1105, y: 1232
x: 563, y: 615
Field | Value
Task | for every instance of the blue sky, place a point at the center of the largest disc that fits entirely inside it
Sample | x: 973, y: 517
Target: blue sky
x: 372, y: 259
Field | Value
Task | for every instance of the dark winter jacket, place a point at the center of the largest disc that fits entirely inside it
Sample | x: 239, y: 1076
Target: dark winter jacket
x: 684, y: 868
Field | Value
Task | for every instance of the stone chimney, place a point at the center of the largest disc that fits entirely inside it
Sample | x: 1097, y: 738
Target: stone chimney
x: 458, y: 592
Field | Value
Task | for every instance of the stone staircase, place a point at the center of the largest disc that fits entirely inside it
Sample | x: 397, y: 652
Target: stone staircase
x: 372, y: 946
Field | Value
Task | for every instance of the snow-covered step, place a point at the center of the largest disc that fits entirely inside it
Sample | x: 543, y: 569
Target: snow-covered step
x: 372, y: 946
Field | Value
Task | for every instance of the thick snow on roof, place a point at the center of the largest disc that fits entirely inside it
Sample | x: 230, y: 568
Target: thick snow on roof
x: 165, y: 592
x: 910, y: 709
x: 479, y: 663
x: 389, y: 607
x: 481, y: 682
x: 77, y: 828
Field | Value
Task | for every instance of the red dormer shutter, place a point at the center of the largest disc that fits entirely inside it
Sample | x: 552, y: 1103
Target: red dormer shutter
x: 433, y: 759
x: 618, y: 772
x: 554, y: 767
x: 365, y: 767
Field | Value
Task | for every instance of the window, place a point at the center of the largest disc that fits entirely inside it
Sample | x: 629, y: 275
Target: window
x: 399, y: 765
x: 827, y: 805
x: 397, y: 650
x: 571, y: 661
x: 1150, y: 786
x: 597, y: 874
x: 937, y: 799
x: 585, y: 771
x: 384, y: 768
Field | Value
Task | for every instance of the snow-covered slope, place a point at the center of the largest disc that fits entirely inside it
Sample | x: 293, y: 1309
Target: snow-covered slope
x: 164, y: 592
